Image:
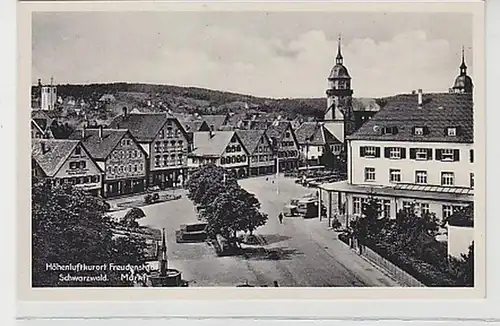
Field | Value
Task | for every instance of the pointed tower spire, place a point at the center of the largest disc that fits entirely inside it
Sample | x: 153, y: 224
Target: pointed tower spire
x: 463, y: 66
x: 339, y: 59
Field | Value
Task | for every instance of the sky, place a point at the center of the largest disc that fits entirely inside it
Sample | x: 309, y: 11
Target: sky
x: 269, y: 54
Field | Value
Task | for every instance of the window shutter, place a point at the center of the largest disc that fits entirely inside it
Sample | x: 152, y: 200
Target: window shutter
x: 445, y: 131
x: 438, y: 154
x: 426, y: 130
x: 429, y: 153
x: 377, y: 151
x: 394, y: 130
x: 413, y: 130
x: 362, y: 151
x: 387, y: 151
x: 471, y: 156
x: 456, y: 155
x: 413, y: 153
x: 459, y: 131
x: 403, y: 152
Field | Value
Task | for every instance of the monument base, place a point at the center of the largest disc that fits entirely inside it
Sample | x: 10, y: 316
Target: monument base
x: 172, y: 278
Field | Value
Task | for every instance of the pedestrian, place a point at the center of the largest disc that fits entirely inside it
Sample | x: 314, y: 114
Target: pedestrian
x: 275, y: 284
x: 280, y: 217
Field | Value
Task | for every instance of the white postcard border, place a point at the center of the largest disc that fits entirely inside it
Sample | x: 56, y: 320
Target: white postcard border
x: 250, y: 308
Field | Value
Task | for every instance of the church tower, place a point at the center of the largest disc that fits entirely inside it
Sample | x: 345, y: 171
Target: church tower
x: 463, y: 83
x: 339, y: 95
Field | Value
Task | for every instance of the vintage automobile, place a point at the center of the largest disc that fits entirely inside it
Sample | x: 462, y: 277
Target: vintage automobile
x: 290, y: 210
x: 308, y: 208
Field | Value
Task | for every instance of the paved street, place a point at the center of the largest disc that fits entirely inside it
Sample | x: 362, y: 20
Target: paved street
x: 309, y: 254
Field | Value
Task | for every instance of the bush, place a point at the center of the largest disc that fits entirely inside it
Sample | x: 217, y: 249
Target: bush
x: 426, y: 273
x: 148, y: 199
x: 344, y: 237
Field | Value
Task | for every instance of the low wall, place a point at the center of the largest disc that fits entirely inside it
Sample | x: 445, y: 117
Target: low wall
x: 397, y: 273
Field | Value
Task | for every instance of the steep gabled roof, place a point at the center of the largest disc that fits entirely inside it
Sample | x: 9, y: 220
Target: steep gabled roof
x: 212, y: 144
x: 144, y: 126
x: 310, y: 132
x: 55, y: 154
x: 277, y: 129
x: 100, y: 147
x: 316, y: 133
x: 251, y: 138
x: 215, y: 120
x: 438, y: 112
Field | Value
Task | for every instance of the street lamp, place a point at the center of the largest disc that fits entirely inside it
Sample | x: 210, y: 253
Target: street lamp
x: 277, y: 173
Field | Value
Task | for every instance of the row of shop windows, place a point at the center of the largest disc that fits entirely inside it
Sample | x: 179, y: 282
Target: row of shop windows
x: 419, y: 207
x: 78, y: 180
x: 447, y: 178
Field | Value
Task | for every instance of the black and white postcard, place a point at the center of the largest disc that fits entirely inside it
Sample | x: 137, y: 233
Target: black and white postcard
x: 237, y: 151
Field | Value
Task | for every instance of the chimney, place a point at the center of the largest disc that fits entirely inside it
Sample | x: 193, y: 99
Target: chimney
x: 420, y: 97
x: 83, y: 131
x: 44, y: 148
x: 39, y: 82
x: 125, y: 111
x: 100, y: 132
x: 211, y: 132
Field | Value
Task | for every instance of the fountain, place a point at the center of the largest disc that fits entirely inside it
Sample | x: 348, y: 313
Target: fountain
x: 165, y: 277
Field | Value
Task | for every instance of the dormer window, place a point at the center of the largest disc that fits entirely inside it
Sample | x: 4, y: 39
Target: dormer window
x: 419, y: 131
x: 389, y: 130
x: 451, y: 131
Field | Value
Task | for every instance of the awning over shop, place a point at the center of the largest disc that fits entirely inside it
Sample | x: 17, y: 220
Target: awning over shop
x: 455, y: 194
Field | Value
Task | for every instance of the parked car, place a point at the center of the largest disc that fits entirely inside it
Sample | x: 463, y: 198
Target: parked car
x: 308, y: 208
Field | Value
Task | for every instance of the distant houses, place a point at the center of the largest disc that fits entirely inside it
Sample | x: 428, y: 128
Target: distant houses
x: 66, y: 162
x: 260, y: 150
x: 165, y: 142
x: 222, y: 148
x: 119, y: 155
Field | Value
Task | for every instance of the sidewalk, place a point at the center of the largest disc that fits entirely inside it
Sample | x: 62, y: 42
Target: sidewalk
x: 349, y: 258
x: 115, y: 201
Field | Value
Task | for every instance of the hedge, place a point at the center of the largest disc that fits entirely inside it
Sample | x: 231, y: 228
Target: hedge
x: 426, y: 273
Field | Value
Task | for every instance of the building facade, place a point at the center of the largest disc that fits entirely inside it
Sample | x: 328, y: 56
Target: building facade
x: 261, y: 155
x: 66, y: 162
x: 222, y: 148
x: 314, y: 139
x: 285, y: 145
x: 417, y: 151
x: 165, y: 142
x: 120, y: 156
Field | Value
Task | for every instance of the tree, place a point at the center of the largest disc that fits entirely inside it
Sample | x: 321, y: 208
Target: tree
x: 207, y: 182
x: 134, y: 214
x: 463, y: 268
x: 69, y: 226
x: 234, y: 209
